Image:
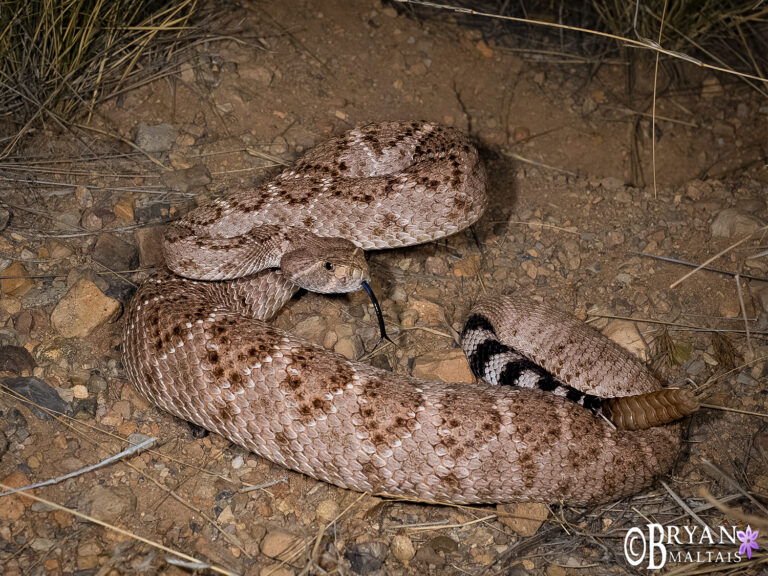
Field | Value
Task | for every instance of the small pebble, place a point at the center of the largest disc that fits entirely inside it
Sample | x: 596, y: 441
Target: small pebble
x: 80, y: 392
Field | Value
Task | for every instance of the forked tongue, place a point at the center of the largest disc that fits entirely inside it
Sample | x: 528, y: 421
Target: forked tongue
x: 379, y: 317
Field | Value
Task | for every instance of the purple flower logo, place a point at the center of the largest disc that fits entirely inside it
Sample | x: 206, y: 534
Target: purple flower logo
x: 748, y: 540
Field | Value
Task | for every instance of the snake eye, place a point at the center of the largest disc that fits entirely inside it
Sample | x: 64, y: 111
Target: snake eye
x: 329, y: 266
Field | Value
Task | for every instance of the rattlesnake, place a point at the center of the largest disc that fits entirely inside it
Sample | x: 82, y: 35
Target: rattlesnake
x: 195, y: 343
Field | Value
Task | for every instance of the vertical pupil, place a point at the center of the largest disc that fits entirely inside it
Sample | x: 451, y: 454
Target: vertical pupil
x: 328, y: 266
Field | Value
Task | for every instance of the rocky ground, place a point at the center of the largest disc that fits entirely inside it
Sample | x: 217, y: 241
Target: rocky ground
x: 574, y: 220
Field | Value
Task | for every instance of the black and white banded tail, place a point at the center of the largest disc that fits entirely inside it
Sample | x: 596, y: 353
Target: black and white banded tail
x: 501, y: 364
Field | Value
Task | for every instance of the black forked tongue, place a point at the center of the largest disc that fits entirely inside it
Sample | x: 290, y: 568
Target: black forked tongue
x: 379, y: 317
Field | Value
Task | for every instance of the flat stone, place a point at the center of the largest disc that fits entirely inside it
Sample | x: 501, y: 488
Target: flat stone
x: 115, y: 254
x: 731, y: 222
x: 149, y: 240
x: 468, y: 267
x: 150, y: 209
x: 436, y: 266
x: 20, y: 284
x: 447, y: 365
x: 570, y: 256
x: 697, y: 189
x: 39, y: 392
x: 16, y: 359
x: 280, y: 545
x: 80, y: 392
x: 13, y: 506
x: 348, y: 346
x: 311, y: 328
x: 83, y: 309
x: 187, y: 179
x: 258, y: 74
x: 124, y: 207
x: 90, y: 220
x: 429, y: 313
x: 626, y: 335
x: 524, y: 518
x: 367, y: 557
x: 10, y: 305
x: 109, y: 504
x: 157, y: 138
x: 57, y: 249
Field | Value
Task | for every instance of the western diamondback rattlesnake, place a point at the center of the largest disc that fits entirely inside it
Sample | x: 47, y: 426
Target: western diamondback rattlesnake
x: 195, y: 343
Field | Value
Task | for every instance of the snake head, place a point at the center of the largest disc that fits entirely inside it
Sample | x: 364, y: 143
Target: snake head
x: 326, y: 266
x: 331, y: 266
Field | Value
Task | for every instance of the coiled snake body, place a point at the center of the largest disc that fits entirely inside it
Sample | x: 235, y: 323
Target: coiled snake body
x: 201, y: 350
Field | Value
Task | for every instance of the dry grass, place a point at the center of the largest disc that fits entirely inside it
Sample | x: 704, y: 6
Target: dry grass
x: 60, y: 58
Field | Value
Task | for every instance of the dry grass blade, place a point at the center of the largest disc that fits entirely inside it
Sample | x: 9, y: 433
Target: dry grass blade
x: 119, y: 530
x: 60, y: 58
x: 644, y: 43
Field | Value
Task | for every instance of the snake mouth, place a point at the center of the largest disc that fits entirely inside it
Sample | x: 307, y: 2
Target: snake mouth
x: 382, y: 329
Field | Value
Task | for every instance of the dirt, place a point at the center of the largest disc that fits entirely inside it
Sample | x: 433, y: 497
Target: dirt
x: 574, y: 219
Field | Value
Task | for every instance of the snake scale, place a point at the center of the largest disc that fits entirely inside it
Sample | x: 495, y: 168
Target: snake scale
x: 535, y: 428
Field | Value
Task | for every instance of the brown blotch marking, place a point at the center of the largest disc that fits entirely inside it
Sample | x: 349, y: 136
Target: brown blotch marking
x: 461, y: 205
x: 293, y: 382
x: 309, y: 392
x: 364, y: 198
x: 371, y: 473
x: 283, y: 444
x: 258, y: 352
x: 309, y: 409
x: 381, y: 424
x: 218, y: 372
x: 213, y: 357
x: 235, y: 381
x: 225, y: 413
x: 389, y: 220
x: 297, y: 200
x: 308, y: 222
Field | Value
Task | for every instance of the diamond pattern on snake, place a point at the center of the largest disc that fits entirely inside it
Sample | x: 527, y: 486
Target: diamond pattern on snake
x: 559, y: 413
